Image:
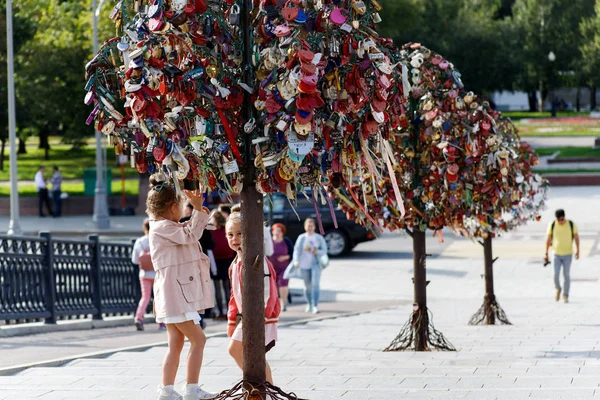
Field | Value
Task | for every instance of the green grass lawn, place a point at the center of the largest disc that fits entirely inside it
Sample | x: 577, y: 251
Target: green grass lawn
x: 34, y: 141
x: 567, y: 152
x: 71, y: 163
x: 527, y: 132
x: 585, y: 128
x: 132, y: 188
x: 517, y: 115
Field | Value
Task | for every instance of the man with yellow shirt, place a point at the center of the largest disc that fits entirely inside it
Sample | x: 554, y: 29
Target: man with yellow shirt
x: 561, y: 234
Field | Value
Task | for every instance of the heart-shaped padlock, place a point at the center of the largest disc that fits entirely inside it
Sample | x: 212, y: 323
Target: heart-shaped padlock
x: 339, y: 16
x: 290, y: 11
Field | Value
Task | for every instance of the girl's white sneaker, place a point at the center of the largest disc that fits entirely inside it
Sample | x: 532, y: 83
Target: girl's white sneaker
x: 168, y: 393
x: 193, y: 392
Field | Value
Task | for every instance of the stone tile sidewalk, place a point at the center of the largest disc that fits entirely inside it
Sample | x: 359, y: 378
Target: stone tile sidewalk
x: 551, y: 352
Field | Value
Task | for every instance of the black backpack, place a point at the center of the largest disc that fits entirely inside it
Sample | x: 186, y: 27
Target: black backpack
x: 552, y: 229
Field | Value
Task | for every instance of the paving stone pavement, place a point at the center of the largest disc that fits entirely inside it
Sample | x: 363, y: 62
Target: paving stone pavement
x: 551, y: 352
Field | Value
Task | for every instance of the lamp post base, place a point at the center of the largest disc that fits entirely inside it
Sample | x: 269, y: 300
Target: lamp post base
x: 101, y: 217
x: 14, y: 229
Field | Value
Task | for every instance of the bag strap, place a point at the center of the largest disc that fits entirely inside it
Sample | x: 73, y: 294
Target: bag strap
x: 552, y: 230
x: 572, y: 234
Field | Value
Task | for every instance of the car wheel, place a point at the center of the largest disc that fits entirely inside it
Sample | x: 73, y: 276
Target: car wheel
x: 338, y: 243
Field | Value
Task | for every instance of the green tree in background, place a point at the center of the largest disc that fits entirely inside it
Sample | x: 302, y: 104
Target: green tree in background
x: 544, y: 26
x: 502, y: 44
x: 475, y: 34
x: 53, y: 41
x: 590, y: 52
x: 23, y: 31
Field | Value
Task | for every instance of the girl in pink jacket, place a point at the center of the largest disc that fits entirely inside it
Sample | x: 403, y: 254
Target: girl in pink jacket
x: 233, y: 230
x: 182, y: 286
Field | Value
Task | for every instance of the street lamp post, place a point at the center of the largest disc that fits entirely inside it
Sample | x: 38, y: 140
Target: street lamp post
x: 14, y: 227
x: 552, y: 59
x: 101, y: 218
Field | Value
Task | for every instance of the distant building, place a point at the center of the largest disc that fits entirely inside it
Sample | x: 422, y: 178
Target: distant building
x: 566, y: 98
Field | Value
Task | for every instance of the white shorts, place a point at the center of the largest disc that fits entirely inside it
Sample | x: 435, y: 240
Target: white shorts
x: 188, y: 316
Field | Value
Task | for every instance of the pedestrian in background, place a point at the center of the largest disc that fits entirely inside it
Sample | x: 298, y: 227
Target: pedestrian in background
x: 141, y: 257
x: 42, y: 189
x: 224, y: 256
x: 224, y: 209
x: 561, y: 234
x: 56, y: 182
x: 307, y: 250
x: 268, y: 241
x: 283, y: 250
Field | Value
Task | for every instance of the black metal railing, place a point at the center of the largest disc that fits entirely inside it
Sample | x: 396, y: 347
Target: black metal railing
x: 46, y: 278
x: 120, y: 289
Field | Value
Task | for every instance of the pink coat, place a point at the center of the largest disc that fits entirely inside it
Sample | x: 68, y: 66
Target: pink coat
x: 182, y: 282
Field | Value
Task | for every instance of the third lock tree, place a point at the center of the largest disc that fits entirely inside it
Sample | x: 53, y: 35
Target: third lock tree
x: 503, y: 194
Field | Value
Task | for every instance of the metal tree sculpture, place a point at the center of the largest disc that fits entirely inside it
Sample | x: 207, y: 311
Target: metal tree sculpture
x: 251, y: 98
x: 516, y: 196
x: 427, y: 163
x: 446, y: 141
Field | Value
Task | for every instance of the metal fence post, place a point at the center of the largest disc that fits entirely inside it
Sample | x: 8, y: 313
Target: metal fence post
x: 136, y: 282
x: 49, y: 281
x: 96, y: 276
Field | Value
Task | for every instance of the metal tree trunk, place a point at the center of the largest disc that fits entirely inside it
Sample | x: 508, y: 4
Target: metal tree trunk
x: 490, y: 315
x: 490, y: 311
x: 253, y: 303
x: 420, y: 283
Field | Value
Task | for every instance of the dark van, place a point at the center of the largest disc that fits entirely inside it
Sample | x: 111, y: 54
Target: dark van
x: 340, y: 241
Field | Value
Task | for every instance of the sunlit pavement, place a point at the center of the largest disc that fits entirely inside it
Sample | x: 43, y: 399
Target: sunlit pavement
x: 551, y: 351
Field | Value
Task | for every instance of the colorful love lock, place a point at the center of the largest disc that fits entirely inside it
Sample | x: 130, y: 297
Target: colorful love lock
x: 290, y: 11
x: 304, y: 117
x: 234, y: 15
x: 302, y: 130
x: 339, y: 16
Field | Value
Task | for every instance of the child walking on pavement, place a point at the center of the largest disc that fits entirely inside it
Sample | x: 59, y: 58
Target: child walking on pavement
x: 272, y: 305
x: 141, y: 256
x: 182, y: 286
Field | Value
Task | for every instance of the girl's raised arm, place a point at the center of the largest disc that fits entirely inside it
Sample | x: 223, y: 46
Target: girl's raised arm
x: 188, y: 233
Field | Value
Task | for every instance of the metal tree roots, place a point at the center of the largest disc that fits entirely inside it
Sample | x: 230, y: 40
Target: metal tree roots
x: 419, y: 334
x: 255, y: 391
x: 489, y: 312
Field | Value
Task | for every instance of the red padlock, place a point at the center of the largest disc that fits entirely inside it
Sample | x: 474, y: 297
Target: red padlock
x: 290, y: 11
x: 201, y: 6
